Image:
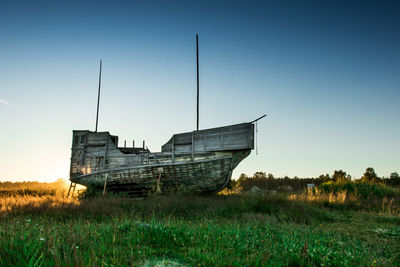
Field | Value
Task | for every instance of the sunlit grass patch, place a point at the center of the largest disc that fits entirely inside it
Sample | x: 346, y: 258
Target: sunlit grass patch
x: 36, y: 204
x: 343, y: 199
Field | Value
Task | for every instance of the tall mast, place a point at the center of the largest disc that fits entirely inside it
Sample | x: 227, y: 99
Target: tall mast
x: 197, y: 56
x: 98, y: 98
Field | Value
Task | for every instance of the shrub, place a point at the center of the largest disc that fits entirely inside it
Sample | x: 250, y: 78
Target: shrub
x: 362, y: 189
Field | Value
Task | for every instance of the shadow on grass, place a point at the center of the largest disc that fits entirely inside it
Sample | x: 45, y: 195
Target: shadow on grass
x: 188, y: 207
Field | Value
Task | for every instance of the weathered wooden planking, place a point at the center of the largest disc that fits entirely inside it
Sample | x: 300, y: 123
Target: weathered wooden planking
x: 210, y: 173
x: 233, y: 137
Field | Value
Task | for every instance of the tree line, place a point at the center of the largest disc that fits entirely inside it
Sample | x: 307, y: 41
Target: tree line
x: 269, y: 182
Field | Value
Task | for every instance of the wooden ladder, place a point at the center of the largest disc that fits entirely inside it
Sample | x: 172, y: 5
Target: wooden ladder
x: 71, y: 186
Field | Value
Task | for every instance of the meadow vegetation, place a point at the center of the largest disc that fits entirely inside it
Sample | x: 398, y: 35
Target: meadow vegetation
x: 340, y: 223
x: 8, y: 189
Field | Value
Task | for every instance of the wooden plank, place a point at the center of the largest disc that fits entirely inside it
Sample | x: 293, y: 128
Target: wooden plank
x: 222, y: 137
x: 173, y: 149
x: 105, y: 154
x: 105, y: 184
x: 192, y: 145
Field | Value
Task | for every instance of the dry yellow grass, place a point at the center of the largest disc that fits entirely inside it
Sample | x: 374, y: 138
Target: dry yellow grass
x: 39, y: 203
x: 386, y: 205
x: 318, y: 196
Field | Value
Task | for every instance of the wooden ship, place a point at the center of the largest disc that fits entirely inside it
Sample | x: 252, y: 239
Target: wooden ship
x: 201, y: 160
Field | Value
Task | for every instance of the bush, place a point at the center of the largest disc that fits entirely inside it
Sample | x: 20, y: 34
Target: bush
x: 362, y: 189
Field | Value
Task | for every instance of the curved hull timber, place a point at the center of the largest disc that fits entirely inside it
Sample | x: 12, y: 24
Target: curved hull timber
x: 208, y: 173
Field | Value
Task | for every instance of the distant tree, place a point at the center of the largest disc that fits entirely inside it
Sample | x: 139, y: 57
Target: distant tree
x: 394, y: 179
x: 243, y: 177
x: 394, y: 175
x: 259, y: 175
x: 324, y: 178
x: 370, y: 176
x: 270, y: 176
x: 340, y: 176
x: 232, y: 184
x: 245, y: 183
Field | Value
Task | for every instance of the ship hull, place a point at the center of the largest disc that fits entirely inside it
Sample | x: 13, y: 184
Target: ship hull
x: 209, y: 172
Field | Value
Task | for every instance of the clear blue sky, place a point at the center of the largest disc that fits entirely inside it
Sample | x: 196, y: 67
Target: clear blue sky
x: 327, y: 73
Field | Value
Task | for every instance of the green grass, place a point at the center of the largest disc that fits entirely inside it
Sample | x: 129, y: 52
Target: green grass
x: 233, y: 230
x: 123, y: 241
x: 41, y: 228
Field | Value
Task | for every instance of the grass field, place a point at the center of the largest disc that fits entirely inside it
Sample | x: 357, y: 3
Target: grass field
x: 186, y: 230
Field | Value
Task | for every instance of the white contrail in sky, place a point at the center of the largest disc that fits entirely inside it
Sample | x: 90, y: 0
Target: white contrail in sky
x: 6, y: 103
x: 2, y: 101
